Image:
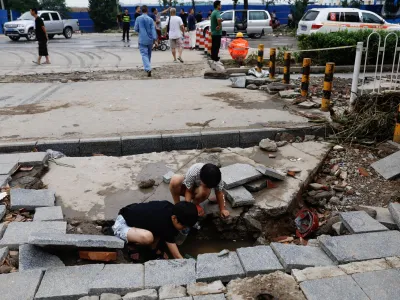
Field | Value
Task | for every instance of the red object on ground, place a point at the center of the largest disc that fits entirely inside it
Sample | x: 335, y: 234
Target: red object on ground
x: 238, y: 49
x: 363, y: 172
x: 98, y: 256
x: 200, y: 210
x: 306, y: 222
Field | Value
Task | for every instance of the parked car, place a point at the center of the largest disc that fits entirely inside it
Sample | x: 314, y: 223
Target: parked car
x: 24, y: 26
x: 336, y: 19
x: 253, y: 22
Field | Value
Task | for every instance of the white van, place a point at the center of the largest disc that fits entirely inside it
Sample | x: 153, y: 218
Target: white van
x: 335, y: 19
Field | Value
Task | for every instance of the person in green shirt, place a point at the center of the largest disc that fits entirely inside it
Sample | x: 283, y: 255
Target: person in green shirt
x: 216, y: 31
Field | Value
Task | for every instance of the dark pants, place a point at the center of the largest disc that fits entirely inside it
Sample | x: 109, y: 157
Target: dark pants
x: 216, y: 44
x: 125, y: 30
x: 43, y: 48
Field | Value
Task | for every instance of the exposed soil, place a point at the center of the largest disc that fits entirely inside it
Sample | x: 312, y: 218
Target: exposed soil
x: 29, y: 109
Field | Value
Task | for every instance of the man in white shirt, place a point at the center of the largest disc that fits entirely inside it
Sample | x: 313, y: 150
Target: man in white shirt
x: 176, y: 34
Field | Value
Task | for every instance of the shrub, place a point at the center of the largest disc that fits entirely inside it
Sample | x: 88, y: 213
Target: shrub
x: 345, y: 38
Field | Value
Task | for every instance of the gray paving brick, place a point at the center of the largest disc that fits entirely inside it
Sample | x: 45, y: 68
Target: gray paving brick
x: 211, y: 267
x: 67, y: 282
x: 8, y: 169
x: 75, y: 240
x: 69, y: 147
x: 32, y: 257
x: 4, y: 179
x: 3, y: 254
x: 18, y: 233
x: 394, y: 209
x: 384, y: 217
x: 252, y: 137
x: 258, y: 260
x: 171, y: 291
x: 183, y: 298
x: 223, y: 139
x: 53, y: 213
x: 363, y: 246
x: 107, y: 146
x: 181, y: 141
x: 9, y: 158
x: 334, y: 288
x: 3, y: 227
x: 20, y: 285
x: 388, y: 167
x: 31, y: 199
x: 17, y: 147
x: 300, y: 257
x: 150, y: 294
x: 256, y: 186
x: 109, y: 280
x: 210, y: 297
x: 173, y: 271
x: 360, y: 222
x: 141, y: 144
x: 239, y: 174
x: 239, y: 196
x: 33, y: 158
x: 380, y: 285
x: 2, y: 211
x: 270, y: 172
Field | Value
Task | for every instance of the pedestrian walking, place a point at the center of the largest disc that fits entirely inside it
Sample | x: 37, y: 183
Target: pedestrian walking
x: 184, y: 17
x: 126, y: 25
x: 192, y: 29
x: 176, y: 34
x: 216, y: 31
x: 41, y: 36
x: 144, y: 26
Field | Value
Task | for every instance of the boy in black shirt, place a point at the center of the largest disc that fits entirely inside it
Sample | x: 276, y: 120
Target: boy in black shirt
x: 148, y: 223
x: 41, y: 36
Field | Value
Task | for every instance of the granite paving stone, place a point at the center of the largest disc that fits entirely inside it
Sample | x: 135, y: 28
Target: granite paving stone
x: 394, y: 209
x: 67, y: 282
x: 360, y: 222
x: 4, y: 179
x: 384, y: 217
x: 183, y: 298
x: 8, y: 169
x: 270, y: 172
x: 109, y: 296
x: 111, y: 146
x: 9, y: 158
x: 300, y: 257
x: 334, y: 288
x: 33, y: 158
x: 380, y: 285
x: 317, y: 273
x: 2, y: 211
x: 365, y: 266
x: 388, y: 167
x: 171, y: 291
x: 211, y: 267
x: 181, y: 141
x: 167, y: 177
x: 53, y: 213
x: 69, y: 147
x: 239, y: 196
x: 31, y: 199
x: 173, y: 271
x: 210, y: 297
x: 18, y: 233
x: 258, y: 260
x: 141, y: 144
x: 32, y: 257
x: 90, y: 298
x: 75, y: 240
x: 203, y: 288
x: 363, y: 246
x: 149, y: 294
x: 109, y: 280
x: 239, y: 174
x: 20, y: 285
x: 3, y: 254
x: 256, y: 186
x: 3, y: 227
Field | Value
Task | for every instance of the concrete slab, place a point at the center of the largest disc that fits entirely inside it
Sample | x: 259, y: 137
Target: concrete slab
x: 31, y: 199
x: 258, y: 260
x: 238, y: 174
x: 380, y: 285
x: 211, y: 267
x: 3, y: 227
x: 360, y: 222
x: 365, y: 266
x: 107, y: 146
x: 316, y: 273
x: 363, y: 246
x: 3, y: 254
x: 171, y: 291
x: 48, y: 214
x: 70, y: 147
x: 173, y: 271
x: 300, y: 257
x: 149, y: 294
x: 18, y: 233
x: 2, y: 211
x: 33, y: 158
x: 67, y: 282
x: 203, y: 288
x: 384, y: 217
x: 75, y: 240
x: 210, y: 297
x: 32, y: 257
x: 341, y: 287
x: 394, y: 209
x: 270, y: 172
x: 7, y: 169
x: 388, y: 167
x: 20, y: 285
x: 256, y: 186
x: 11, y: 158
x: 239, y: 196
x: 4, y: 179
x: 109, y: 280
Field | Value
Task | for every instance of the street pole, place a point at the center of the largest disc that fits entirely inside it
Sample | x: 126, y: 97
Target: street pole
x: 356, y: 73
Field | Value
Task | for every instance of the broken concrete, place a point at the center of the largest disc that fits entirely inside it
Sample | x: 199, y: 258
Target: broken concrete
x: 171, y: 291
x: 384, y: 217
x: 7, y: 169
x: 203, y: 288
x: 33, y: 158
x: 394, y: 209
x: 210, y: 297
x: 360, y: 222
x: 149, y: 294
x: 393, y: 262
x: 239, y: 174
x: 109, y: 280
x: 256, y: 186
x: 258, y: 260
x: 211, y: 267
x: 2, y: 211
x: 109, y: 296
x: 75, y: 240
x: 365, y: 266
x: 48, y: 214
x: 3, y: 254
x: 18, y: 233
x: 268, y: 145
x: 3, y: 227
x: 270, y: 172
x: 173, y: 271
x: 363, y: 246
x: 167, y: 177
x: 20, y: 285
x: 388, y: 167
x: 31, y: 199
x: 32, y: 257
x: 316, y: 273
x: 239, y: 196
x: 4, y: 179
x: 300, y: 257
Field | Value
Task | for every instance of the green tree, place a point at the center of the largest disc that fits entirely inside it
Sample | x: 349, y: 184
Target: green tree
x: 299, y: 7
x: 390, y: 9
x: 103, y: 13
x: 57, y: 5
x: 345, y: 3
x: 355, y: 3
x: 21, y: 5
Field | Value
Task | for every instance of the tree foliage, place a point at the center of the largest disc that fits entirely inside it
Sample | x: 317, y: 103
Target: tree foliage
x: 298, y: 8
x: 21, y: 5
x: 103, y: 13
x: 57, y: 5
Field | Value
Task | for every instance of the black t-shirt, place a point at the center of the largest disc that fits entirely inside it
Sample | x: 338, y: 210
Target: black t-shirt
x: 40, y: 35
x: 184, y: 17
x: 137, y: 15
x: 154, y: 216
x: 199, y: 18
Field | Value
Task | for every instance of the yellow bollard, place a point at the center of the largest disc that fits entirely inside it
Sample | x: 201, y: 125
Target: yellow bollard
x: 328, y: 82
x: 272, y: 59
x: 305, y: 79
x: 396, y: 136
x: 286, y: 68
x: 260, y: 57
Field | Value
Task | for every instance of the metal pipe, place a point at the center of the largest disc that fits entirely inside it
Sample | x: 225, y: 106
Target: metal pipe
x: 356, y: 73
